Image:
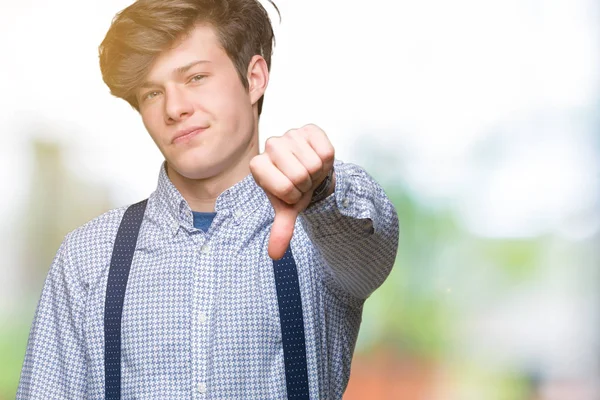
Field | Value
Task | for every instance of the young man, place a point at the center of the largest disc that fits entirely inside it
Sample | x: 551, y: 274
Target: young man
x: 208, y: 312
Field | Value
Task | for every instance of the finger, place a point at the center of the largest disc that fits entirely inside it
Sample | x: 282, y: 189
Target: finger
x: 282, y: 230
x: 308, y: 157
x: 320, y: 143
x: 273, y: 181
x: 281, y: 154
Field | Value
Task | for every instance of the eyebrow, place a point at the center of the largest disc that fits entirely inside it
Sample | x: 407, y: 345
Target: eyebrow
x: 177, y: 71
x: 185, y: 68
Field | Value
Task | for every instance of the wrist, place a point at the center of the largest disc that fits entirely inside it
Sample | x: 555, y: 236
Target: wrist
x: 325, y: 188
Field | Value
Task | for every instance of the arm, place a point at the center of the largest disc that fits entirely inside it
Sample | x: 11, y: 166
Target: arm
x: 54, y: 365
x: 356, y: 230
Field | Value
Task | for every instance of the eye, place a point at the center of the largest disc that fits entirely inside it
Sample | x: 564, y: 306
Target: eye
x: 197, y: 78
x: 150, y: 95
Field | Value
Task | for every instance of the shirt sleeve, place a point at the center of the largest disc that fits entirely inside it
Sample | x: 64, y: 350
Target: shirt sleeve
x: 356, y: 230
x: 54, y: 365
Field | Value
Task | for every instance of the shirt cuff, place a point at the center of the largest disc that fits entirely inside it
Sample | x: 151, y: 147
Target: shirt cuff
x: 348, y: 210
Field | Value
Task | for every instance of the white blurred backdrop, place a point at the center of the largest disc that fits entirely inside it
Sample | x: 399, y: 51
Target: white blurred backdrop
x: 488, y: 109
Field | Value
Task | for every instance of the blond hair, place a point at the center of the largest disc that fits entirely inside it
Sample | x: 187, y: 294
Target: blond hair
x: 140, y: 32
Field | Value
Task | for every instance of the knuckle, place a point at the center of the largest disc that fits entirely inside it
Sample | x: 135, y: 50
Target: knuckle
x: 288, y: 193
x: 255, y: 163
x: 302, y: 179
x: 329, y: 154
x: 316, y: 167
x: 292, y: 133
x: 287, y: 189
x: 271, y: 143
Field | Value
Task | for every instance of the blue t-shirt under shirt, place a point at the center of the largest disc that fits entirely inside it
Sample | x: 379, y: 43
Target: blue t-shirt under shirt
x: 202, y: 220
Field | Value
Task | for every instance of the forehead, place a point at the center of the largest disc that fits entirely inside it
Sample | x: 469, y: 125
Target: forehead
x: 201, y: 43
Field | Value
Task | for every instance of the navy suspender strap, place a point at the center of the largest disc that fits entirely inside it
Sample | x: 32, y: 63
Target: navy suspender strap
x: 118, y: 274
x: 288, y: 298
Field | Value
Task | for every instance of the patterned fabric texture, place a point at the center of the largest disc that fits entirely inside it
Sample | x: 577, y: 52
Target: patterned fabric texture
x: 200, y: 316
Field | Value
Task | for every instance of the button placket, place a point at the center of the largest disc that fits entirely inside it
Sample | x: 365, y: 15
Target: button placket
x: 200, y: 320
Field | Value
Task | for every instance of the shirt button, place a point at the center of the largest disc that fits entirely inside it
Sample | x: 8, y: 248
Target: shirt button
x: 202, y: 318
x: 201, y: 388
x: 238, y: 214
x: 175, y: 226
x: 204, y: 249
x: 345, y: 203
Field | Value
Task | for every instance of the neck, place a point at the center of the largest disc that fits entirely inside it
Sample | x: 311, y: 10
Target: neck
x: 201, y: 194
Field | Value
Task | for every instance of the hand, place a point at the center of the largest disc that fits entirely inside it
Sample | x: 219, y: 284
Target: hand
x: 289, y: 170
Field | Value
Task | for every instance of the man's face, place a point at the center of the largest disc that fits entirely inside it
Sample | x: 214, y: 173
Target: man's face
x: 194, y: 87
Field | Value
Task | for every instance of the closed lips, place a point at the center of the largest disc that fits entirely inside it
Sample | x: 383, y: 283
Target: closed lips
x: 188, y: 132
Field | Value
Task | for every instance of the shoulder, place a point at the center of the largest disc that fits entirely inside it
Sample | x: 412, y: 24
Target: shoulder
x: 99, y: 229
x: 89, y: 247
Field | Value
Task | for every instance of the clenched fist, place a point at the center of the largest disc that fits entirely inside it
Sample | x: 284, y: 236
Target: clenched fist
x: 289, y: 170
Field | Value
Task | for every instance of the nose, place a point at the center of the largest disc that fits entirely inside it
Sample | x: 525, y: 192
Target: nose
x: 178, y: 106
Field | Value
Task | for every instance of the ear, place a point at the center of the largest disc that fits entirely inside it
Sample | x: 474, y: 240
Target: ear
x: 258, y: 78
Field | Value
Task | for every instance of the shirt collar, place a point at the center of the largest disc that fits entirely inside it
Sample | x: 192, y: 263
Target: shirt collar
x: 237, y: 201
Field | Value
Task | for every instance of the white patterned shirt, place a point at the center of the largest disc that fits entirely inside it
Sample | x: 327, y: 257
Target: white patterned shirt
x: 200, y: 316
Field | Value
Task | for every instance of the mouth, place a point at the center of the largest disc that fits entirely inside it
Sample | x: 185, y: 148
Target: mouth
x: 185, y: 135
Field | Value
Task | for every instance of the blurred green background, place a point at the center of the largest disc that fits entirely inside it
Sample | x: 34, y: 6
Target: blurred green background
x: 481, y: 120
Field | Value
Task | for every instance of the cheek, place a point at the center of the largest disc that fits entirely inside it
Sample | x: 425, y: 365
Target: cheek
x: 233, y: 102
x: 151, y: 122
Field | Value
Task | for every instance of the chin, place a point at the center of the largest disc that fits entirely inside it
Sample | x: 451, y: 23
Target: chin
x: 191, y: 168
